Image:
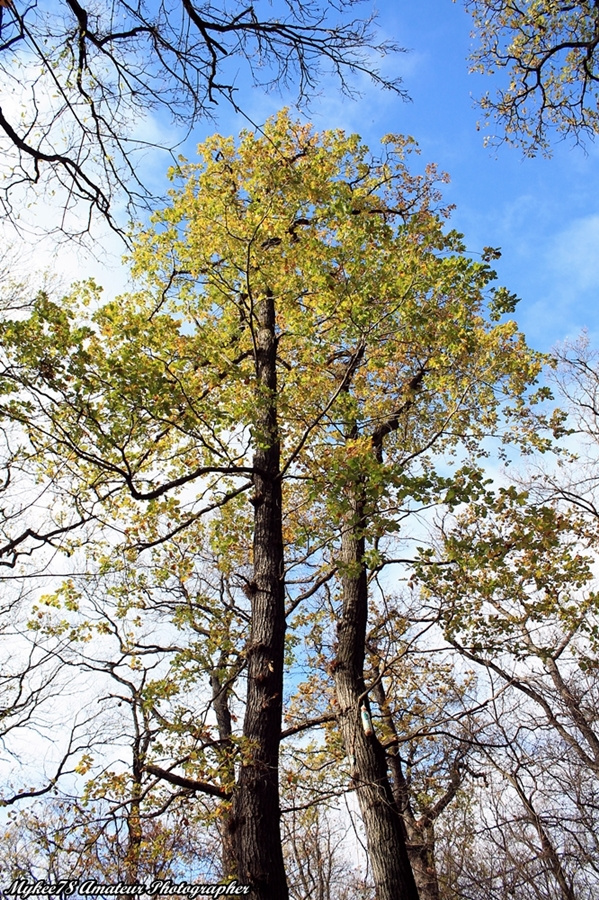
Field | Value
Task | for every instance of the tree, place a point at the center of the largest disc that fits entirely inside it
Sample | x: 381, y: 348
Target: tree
x: 517, y: 594
x: 67, y: 836
x: 429, y: 730
x: 160, y: 635
x: 518, y: 599
x: 548, y: 50
x: 526, y: 829
x: 318, y: 851
x: 348, y: 449
x: 85, y: 77
x: 306, y: 341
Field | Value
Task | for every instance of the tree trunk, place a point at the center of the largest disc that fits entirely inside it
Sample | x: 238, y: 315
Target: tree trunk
x: 220, y: 704
x: 421, y: 853
x: 256, y: 809
x: 385, y: 834
x: 420, y: 833
x: 134, y: 827
x: 141, y: 743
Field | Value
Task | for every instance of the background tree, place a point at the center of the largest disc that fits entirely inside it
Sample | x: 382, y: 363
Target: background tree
x: 518, y: 600
x: 548, y: 51
x: 429, y: 718
x: 79, y: 81
x: 160, y: 638
x: 319, y: 846
x: 31, y: 515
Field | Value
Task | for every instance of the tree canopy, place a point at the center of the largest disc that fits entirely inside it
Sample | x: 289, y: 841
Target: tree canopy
x: 289, y: 578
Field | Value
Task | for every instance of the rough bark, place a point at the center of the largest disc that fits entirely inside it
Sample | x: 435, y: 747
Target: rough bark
x: 420, y: 833
x: 220, y: 704
x: 420, y: 836
x: 256, y: 809
x: 385, y: 834
x: 134, y: 826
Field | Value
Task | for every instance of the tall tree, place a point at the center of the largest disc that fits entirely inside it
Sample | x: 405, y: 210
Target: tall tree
x: 306, y: 340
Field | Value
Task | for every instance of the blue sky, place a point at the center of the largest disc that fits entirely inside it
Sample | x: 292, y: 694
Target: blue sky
x: 543, y: 213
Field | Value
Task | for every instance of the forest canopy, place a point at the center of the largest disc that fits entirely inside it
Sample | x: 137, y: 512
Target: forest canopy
x: 246, y: 441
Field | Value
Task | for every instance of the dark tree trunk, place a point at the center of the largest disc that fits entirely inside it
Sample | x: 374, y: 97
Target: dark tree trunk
x: 220, y: 704
x: 256, y: 809
x: 421, y: 852
x: 134, y: 826
x: 383, y: 825
x: 420, y: 833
